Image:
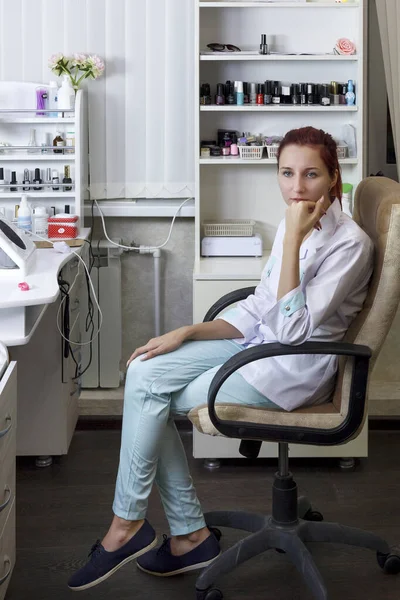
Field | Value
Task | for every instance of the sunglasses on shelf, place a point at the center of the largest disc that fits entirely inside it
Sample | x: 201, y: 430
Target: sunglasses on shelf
x: 223, y: 48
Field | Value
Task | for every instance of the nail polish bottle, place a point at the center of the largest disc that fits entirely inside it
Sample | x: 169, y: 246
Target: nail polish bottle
x: 268, y: 92
x: 334, y: 93
x: 231, y: 94
x: 48, y: 180
x: 303, y: 93
x: 324, y: 97
x: 234, y: 146
x: 67, y: 179
x: 205, y: 94
x: 295, y: 93
x: 38, y: 180
x: 342, y: 93
x: 55, y: 179
x: 245, y: 92
x: 2, y: 182
x: 13, y: 182
x: 260, y: 94
x: 239, y: 93
x: 253, y: 93
x: 276, y: 93
x: 26, y: 181
x: 285, y: 94
x: 220, y: 95
x: 264, y: 45
x: 350, y: 95
x: 311, y: 93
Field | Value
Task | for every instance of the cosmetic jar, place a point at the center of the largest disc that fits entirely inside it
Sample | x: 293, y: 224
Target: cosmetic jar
x: 215, y: 151
x: 226, y: 150
x: 205, y: 152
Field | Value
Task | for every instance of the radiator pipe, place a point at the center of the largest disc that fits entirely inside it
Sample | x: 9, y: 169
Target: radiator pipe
x: 157, y: 283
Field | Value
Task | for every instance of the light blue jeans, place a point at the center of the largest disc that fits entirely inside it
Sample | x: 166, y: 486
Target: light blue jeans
x: 151, y: 449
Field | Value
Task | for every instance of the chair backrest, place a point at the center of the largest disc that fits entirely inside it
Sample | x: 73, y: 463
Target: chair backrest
x: 377, y: 211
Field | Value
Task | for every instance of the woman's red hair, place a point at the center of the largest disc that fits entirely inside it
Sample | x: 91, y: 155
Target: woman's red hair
x: 309, y: 136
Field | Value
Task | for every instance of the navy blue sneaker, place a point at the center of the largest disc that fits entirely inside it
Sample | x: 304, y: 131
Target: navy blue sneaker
x: 102, y: 564
x: 162, y: 563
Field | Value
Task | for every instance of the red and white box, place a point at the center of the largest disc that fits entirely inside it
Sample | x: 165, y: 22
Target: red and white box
x: 63, y: 227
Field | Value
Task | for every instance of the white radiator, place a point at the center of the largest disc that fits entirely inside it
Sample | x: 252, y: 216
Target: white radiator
x: 104, y: 369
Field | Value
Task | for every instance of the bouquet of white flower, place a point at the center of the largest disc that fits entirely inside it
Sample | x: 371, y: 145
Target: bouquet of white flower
x: 77, y: 67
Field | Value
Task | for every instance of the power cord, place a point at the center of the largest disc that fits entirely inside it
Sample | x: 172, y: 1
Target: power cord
x: 141, y: 249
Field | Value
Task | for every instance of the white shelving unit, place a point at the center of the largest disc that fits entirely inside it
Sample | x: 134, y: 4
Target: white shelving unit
x: 251, y: 191
x: 15, y: 126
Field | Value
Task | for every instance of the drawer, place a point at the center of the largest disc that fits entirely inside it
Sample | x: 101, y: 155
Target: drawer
x: 8, y: 407
x: 7, y: 480
x: 7, y: 551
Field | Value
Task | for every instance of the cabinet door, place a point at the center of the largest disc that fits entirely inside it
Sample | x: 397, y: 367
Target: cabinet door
x: 205, y: 293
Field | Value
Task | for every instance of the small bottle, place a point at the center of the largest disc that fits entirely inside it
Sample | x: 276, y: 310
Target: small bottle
x: 2, y: 182
x: 342, y: 93
x: 234, y: 146
x: 220, y: 95
x: 245, y: 92
x: 67, y: 179
x: 70, y: 142
x: 13, y: 182
x: 350, y: 95
x: 48, y: 180
x: 55, y: 179
x: 311, y: 99
x: 334, y: 93
x: 26, y: 181
x: 253, y: 93
x: 324, y: 97
x: 65, y: 96
x: 264, y: 45
x: 38, y: 180
x: 58, y: 141
x: 40, y: 221
x: 295, y: 93
x: 267, y: 92
x: 52, y: 98
x: 231, y: 94
x: 285, y: 95
x: 303, y: 93
x: 260, y: 94
x: 33, y: 147
x: 24, y: 218
x: 239, y: 93
x: 276, y: 93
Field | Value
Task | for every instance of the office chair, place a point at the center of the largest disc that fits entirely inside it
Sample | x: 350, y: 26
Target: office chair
x: 293, y: 522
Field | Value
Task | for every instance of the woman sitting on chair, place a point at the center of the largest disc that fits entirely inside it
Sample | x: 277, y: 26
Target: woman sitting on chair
x: 312, y: 287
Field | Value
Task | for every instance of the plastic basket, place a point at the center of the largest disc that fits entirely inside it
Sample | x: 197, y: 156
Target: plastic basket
x: 251, y: 152
x: 229, y: 228
x: 272, y: 150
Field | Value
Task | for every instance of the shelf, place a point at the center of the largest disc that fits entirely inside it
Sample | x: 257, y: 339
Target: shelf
x: 65, y: 120
x: 143, y: 207
x: 249, y: 56
x: 230, y: 267
x: 36, y: 157
x: 277, y: 108
x: 230, y: 160
x: 33, y: 194
x: 328, y: 4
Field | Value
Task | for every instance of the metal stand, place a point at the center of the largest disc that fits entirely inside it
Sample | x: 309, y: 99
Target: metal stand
x: 43, y: 461
x: 212, y: 463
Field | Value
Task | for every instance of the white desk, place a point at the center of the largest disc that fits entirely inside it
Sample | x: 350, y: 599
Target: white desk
x: 21, y: 312
x: 47, y: 393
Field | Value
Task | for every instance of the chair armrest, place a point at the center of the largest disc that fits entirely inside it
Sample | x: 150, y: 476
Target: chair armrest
x: 226, y: 301
x: 304, y: 435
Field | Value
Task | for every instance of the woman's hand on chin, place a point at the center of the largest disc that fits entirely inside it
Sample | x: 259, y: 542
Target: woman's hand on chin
x: 302, y: 217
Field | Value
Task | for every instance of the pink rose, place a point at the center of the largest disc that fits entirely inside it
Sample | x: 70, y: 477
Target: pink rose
x: 345, y: 46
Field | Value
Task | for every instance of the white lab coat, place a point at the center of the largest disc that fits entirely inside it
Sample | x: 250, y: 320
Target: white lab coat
x: 335, y: 267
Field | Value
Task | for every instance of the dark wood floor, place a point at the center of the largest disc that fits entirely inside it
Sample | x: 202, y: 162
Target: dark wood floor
x: 62, y: 510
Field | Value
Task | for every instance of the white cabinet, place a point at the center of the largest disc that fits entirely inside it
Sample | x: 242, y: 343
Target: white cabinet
x: 232, y: 188
x: 16, y: 126
x: 8, y: 422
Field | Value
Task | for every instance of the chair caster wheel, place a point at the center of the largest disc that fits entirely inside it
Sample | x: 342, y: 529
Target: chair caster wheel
x: 217, y: 532
x: 313, y: 515
x: 210, y: 594
x: 390, y: 563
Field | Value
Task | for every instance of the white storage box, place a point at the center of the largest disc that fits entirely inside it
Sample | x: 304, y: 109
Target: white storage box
x: 232, y: 246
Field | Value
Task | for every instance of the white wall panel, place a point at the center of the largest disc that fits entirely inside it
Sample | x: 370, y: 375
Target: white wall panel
x: 140, y: 112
